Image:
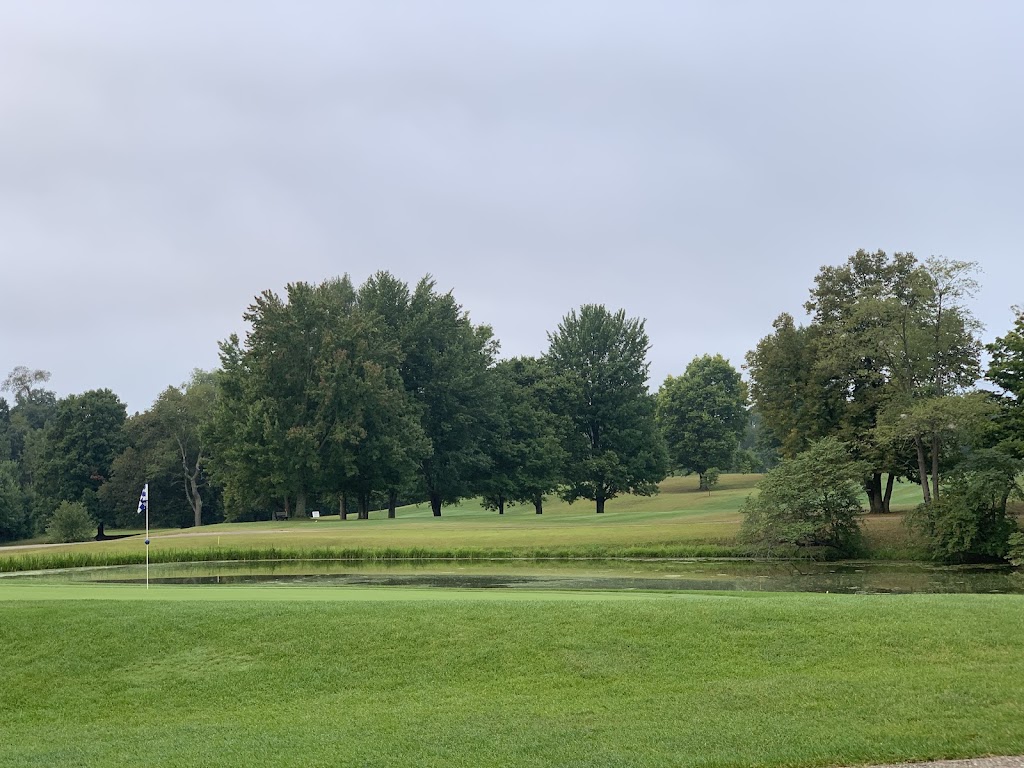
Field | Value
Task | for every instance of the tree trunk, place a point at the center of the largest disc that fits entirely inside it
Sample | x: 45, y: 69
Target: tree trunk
x: 703, y: 482
x: 435, y: 504
x: 300, y: 504
x: 538, y: 504
x: 287, y: 508
x: 873, y: 488
x: 935, y: 466
x: 888, y: 493
x: 342, y: 512
x: 197, y: 505
x: 922, y: 469
x: 364, y: 506
x: 392, y: 503
x: 501, y: 505
x: 600, y: 505
x: 195, y: 500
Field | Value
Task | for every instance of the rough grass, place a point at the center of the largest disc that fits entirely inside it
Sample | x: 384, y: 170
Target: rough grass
x: 307, y: 677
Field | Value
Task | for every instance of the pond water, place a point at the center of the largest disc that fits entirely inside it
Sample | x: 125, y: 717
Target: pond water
x: 602, y: 575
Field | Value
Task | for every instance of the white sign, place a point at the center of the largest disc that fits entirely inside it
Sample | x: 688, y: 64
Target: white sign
x: 316, y: 514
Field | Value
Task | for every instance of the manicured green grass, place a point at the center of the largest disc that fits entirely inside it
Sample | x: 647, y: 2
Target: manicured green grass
x: 251, y: 676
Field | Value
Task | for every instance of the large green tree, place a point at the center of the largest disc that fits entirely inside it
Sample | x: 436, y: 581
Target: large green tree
x: 702, y: 415
x: 1006, y: 371
x: 79, y: 446
x: 445, y: 372
x: 885, y: 334
x: 15, y: 521
x: 615, y: 446
x: 320, y: 401
x: 525, y: 448
x: 280, y: 426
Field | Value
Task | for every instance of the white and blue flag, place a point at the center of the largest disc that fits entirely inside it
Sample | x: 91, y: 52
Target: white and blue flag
x: 144, y: 499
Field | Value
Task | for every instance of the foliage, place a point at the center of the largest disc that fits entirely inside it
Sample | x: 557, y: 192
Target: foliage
x: 71, y: 521
x: 615, y: 446
x: 970, y: 521
x: 811, y: 500
x: 77, y: 450
x: 886, y: 332
x: 15, y: 521
x: 21, y: 382
x: 1006, y: 370
x: 1016, y: 548
x: 711, y: 478
x: 445, y: 373
x: 702, y: 415
x: 526, y: 453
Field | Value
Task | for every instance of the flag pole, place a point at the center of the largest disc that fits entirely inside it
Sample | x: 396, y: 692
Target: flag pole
x: 144, y: 507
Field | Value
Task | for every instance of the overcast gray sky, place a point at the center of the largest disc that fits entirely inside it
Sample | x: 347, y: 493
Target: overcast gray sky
x: 694, y: 163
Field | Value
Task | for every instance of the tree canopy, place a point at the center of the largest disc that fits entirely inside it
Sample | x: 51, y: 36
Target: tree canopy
x: 615, y: 446
x: 702, y: 415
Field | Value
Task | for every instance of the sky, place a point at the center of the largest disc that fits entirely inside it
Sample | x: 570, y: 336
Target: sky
x: 693, y: 163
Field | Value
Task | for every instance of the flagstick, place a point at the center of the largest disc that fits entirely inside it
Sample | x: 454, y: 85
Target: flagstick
x: 147, y: 538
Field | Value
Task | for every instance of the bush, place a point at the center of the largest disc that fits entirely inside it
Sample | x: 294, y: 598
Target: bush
x: 1016, y: 553
x: 812, y: 500
x: 71, y: 522
x: 969, y: 521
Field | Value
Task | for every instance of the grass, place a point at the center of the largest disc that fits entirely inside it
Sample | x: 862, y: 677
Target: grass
x: 265, y: 676
x: 681, y: 521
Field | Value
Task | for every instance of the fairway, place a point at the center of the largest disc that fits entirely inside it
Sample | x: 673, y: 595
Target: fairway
x: 274, y: 676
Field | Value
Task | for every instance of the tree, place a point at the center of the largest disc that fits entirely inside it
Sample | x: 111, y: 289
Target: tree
x: 277, y: 423
x: 71, y: 521
x: 712, y: 476
x: 183, y: 414
x: 970, y: 520
x: 15, y: 522
x: 21, y: 382
x: 314, y: 404
x: 167, y: 446
x: 5, y: 431
x: 794, y: 405
x: 79, y: 446
x: 445, y: 372
x: 702, y: 415
x: 615, y: 446
x: 525, y: 450
x: 1006, y: 371
x: 885, y: 333
x: 811, y: 500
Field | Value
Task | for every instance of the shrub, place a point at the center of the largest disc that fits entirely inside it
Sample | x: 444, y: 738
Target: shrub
x: 811, y: 500
x: 1016, y: 553
x: 71, y: 522
x: 969, y: 521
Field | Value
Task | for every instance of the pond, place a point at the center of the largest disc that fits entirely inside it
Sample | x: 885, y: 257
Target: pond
x: 601, y: 575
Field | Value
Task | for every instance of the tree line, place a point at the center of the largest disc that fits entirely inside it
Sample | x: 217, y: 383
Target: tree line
x: 352, y: 398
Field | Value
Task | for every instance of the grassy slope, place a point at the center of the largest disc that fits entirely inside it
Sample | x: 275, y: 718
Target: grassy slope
x: 679, y: 515
x: 306, y: 677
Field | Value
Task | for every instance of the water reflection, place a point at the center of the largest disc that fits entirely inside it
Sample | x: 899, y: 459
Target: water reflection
x: 617, y: 575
